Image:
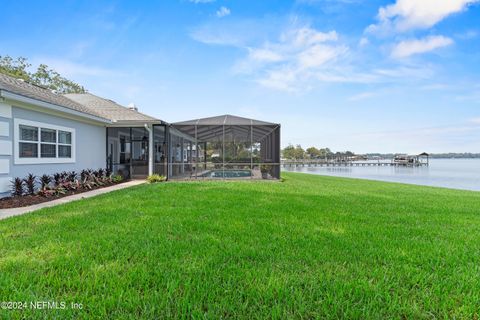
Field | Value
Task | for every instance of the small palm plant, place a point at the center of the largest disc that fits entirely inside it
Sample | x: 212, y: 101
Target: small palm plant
x: 63, y: 176
x: 30, y: 182
x: 84, y: 175
x: 45, y: 181
x: 17, y: 187
x: 100, y: 173
x: 108, y: 175
x: 45, y: 189
x: 72, y: 176
x: 57, y: 179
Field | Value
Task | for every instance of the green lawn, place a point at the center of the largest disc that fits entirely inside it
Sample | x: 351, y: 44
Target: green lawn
x: 307, y: 247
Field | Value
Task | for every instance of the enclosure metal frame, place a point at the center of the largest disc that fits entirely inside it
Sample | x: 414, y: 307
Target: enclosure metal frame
x: 270, y: 140
x: 265, y: 133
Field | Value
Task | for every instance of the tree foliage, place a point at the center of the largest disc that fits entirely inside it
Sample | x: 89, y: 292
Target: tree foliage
x: 296, y: 153
x: 288, y: 152
x: 313, y: 153
x: 43, y: 76
x: 299, y: 152
x: 15, y: 68
x: 291, y: 152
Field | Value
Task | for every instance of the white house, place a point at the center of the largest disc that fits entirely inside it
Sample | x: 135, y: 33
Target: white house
x: 43, y: 132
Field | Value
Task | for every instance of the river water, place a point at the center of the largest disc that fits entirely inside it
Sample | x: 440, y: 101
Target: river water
x: 449, y: 173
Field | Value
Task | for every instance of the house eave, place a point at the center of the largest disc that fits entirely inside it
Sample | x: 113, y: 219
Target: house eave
x: 134, y: 123
x: 52, y: 107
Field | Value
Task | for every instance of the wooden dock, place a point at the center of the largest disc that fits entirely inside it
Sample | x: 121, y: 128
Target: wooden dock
x: 323, y: 163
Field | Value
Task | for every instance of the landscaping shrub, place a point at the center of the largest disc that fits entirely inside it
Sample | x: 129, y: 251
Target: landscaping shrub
x: 116, y: 178
x: 17, y: 187
x: 45, y: 181
x: 265, y: 169
x: 57, y: 179
x: 72, y: 176
x: 84, y: 175
x: 63, y: 182
x: 63, y: 176
x: 154, y: 178
x: 30, y: 182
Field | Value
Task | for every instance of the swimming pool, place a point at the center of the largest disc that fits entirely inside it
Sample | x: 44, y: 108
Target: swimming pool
x: 228, y: 174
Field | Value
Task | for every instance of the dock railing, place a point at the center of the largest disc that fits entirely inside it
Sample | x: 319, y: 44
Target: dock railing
x: 349, y: 163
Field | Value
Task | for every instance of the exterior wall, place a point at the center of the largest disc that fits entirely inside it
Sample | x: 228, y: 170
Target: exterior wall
x: 89, y: 145
x: 5, y: 147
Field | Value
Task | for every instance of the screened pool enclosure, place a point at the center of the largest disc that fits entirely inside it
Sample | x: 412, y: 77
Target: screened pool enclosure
x: 223, y: 147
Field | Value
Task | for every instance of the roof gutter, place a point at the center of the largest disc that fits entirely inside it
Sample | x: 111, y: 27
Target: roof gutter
x: 51, y: 106
x: 123, y: 123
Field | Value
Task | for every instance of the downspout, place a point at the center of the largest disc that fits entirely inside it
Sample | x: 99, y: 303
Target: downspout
x: 150, y: 149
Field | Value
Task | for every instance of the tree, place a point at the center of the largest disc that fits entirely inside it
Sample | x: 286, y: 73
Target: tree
x: 44, y: 76
x: 296, y: 153
x: 289, y: 152
x: 15, y: 68
x: 299, y: 153
x: 313, y: 153
x: 325, y: 153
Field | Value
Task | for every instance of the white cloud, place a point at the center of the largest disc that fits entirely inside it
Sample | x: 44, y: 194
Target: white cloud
x: 475, y: 120
x: 411, y: 47
x: 328, y: 1
x: 229, y: 32
x: 406, y: 15
x: 362, y: 96
x: 219, y: 37
x: 460, y: 137
x: 435, y: 86
x: 306, y: 36
x: 318, y: 55
x: 223, y: 12
x: 296, y: 58
x: 303, y: 57
x: 265, y: 55
x: 72, y: 69
x: 468, y: 35
x: 202, y: 1
x: 363, y: 42
x: 283, y: 78
x: 408, y: 73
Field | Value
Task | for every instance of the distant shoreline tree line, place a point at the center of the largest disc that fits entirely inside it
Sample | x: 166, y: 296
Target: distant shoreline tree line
x: 449, y: 155
x: 43, y: 76
x: 296, y: 152
x: 292, y: 152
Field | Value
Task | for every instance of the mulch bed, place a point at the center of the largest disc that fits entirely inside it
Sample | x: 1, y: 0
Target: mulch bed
x: 29, y: 200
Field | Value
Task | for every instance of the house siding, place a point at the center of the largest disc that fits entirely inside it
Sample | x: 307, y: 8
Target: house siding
x: 89, y: 146
x: 5, y: 148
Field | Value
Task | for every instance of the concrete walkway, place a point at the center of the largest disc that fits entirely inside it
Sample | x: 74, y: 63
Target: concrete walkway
x: 6, y: 213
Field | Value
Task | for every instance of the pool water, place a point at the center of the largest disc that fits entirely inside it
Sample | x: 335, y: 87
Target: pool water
x: 227, y: 174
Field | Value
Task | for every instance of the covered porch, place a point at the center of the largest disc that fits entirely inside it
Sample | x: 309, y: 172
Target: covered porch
x: 217, y: 147
x: 136, y: 150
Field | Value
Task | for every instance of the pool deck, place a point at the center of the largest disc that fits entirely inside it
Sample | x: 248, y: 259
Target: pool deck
x: 256, y: 175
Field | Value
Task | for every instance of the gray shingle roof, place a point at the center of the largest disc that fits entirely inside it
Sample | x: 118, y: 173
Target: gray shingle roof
x: 108, y: 108
x: 226, y: 119
x: 32, y: 91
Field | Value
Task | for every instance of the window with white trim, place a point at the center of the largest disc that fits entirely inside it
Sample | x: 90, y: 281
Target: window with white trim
x: 47, y: 143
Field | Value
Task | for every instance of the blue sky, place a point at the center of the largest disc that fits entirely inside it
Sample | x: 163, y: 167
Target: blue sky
x: 362, y: 75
